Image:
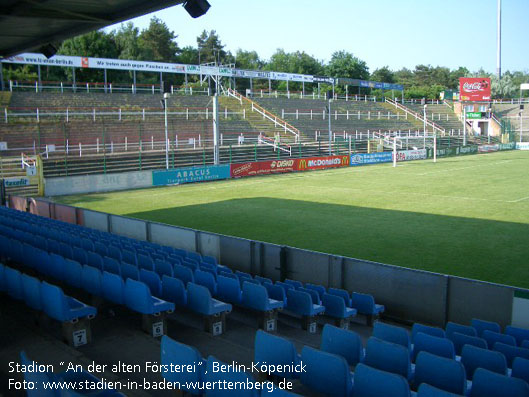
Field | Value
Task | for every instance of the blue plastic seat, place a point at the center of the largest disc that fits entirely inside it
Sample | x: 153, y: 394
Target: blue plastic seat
x: 145, y: 262
x: 372, y: 382
x: 56, y: 267
x: 295, y: 283
x: 129, y: 271
x: 183, y: 273
x: 13, y: 282
x: 490, y: 384
x: 79, y: 255
x: 300, y: 302
x: 255, y: 296
x: 209, y: 259
x: 459, y: 328
x: 481, y: 325
x: 91, y: 279
x: 263, y: 280
x: 326, y: 373
x: 473, y: 357
x: 199, y: 300
x: 439, y: 346
x: 2, y: 277
x: 276, y: 292
x: 94, y: 259
x: 425, y: 390
x: 285, y: 287
x: 209, y: 267
x: 335, y: 306
x: 61, y: 307
x: 227, y: 377
x: 174, y: 290
x: 152, y: 280
x: 313, y: 294
x: 229, y: 290
x: 342, y: 342
x: 520, y: 334
x: 65, y: 250
x: 101, y: 248
x: 365, y: 304
x: 190, y: 265
x: 520, y: 369
x: 114, y: 252
x: 129, y: 256
x: 72, y: 273
x: 460, y: 340
x: 426, y: 329
x: 443, y: 373
x: 391, y: 333
x: 207, y: 280
x: 511, y: 352
x: 493, y: 337
x: 113, y: 288
x: 53, y: 246
x: 275, y: 350
x: 31, y: 292
x: 342, y: 293
x: 389, y: 357
x: 139, y: 298
x: 178, y: 354
x: 111, y: 265
x: 525, y: 344
x: 320, y: 289
x: 194, y: 256
x: 163, y: 268
x: 87, y: 244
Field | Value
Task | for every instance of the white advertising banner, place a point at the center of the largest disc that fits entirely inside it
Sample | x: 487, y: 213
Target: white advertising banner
x: 407, y: 155
x: 522, y: 145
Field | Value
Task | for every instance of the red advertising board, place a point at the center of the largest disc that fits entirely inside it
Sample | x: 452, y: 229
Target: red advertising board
x: 474, y: 89
x: 318, y: 163
x: 263, y: 167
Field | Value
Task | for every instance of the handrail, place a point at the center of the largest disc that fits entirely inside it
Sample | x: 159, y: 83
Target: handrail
x: 276, y: 145
x: 265, y: 113
x: 416, y: 114
x: 447, y: 104
x: 27, y: 161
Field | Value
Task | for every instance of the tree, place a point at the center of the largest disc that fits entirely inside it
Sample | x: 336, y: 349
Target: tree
x: 157, y: 43
x: 295, y: 62
x: 383, y: 74
x: 248, y: 60
x: 127, y: 41
x: 345, y: 64
x: 188, y: 55
x: 210, y: 48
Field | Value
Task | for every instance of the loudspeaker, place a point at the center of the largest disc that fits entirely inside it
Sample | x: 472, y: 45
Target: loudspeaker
x: 329, y: 94
x: 196, y: 8
x: 521, y: 107
x: 48, y: 50
x: 166, y: 87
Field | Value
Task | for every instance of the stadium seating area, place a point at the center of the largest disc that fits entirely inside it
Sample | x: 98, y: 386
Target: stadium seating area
x: 45, y: 257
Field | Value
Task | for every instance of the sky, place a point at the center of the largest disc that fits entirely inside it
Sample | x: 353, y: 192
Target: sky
x: 394, y: 33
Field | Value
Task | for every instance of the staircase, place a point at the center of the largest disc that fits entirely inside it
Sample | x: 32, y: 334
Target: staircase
x: 268, y: 124
x: 12, y: 170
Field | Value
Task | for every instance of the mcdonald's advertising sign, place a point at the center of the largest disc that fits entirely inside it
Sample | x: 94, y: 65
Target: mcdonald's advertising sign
x: 318, y: 163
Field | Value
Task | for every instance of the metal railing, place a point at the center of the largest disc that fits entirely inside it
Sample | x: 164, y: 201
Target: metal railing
x: 418, y: 116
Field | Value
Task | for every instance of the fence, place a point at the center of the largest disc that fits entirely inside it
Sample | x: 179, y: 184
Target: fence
x: 408, y: 295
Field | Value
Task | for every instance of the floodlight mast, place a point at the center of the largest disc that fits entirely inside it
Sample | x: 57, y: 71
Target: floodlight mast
x: 165, y: 97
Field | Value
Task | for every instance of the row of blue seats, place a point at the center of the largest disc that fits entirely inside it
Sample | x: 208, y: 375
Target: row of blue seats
x: 38, y: 379
x: 42, y: 296
x: 132, y: 293
x: 386, y: 364
x: 176, y: 353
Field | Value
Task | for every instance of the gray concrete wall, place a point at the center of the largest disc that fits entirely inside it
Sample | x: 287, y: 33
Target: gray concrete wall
x: 133, y: 228
x: 173, y: 236
x: 96, y: 220
x: 469, y: 298
x: 97, y: 183
x: 407, y: 294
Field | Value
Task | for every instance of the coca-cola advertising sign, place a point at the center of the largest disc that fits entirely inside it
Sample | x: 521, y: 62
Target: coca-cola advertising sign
x: 474, y: 89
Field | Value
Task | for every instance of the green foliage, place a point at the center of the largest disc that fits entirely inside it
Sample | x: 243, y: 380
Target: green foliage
x: 383, y: 74
x: 20, y: 73
x: 157, y: 43
x: 345, y: 64
x: 211, y: 48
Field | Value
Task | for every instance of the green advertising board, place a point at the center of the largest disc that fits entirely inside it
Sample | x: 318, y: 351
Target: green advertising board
x: 474, y: 115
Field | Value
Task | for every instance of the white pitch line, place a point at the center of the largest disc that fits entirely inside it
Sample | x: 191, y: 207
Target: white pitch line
x: 520, y: 199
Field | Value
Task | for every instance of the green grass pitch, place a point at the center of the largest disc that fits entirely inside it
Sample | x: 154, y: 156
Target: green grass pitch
x: 465, y: 216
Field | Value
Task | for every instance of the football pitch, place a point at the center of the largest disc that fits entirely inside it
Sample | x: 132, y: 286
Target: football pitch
x: 466, y: 216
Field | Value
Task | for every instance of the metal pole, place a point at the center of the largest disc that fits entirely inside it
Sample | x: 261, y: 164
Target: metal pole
x: 464, y: 126
x: 435, y: 147
x: 424, y: 131
x: 1, y: 78
x: 105, y: 70
x: 394, y: 151
x: 330, y: 129
x: 216, y: 129
x: 165, y: 97
x: 498, y: 51
x: 521, y: 126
